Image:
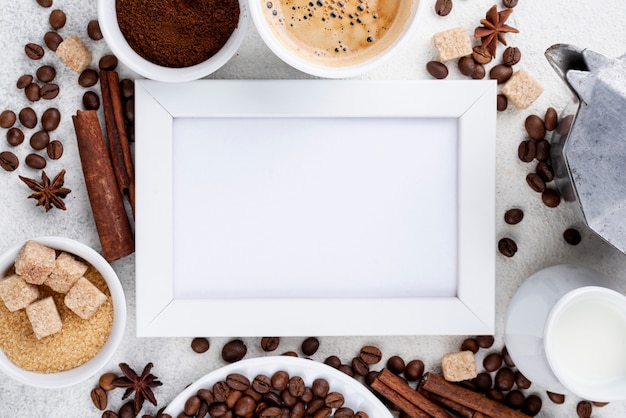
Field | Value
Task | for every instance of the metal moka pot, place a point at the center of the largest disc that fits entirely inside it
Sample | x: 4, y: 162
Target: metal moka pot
x: 589, y: 147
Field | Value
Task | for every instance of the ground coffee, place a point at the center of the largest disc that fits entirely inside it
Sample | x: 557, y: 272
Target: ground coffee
x: 177, y: 33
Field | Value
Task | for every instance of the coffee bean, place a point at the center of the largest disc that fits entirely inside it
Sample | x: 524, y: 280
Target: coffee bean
x: 551, y: 198
x: 495, y: 394
x: 532, y: 405
x: 437, y: 69
x: 9, y: 161
x: 556, y: 398
x: 550, y: 119
x: 290, y: 354
x: 396, y: 364
x: 370, y: 354
x: 536, y: 182
x: 88, y: 78
x: 296, y: 386
x: 50, y: 119
x: 345, y: 368
x: 479, y: 72
x: 492, y: 362
x: 108, y: 62
x: 238, y: 381
x: 44, y: 3
x: 470, y: 344
x: 583, y: 409
x: 127, y: 88
x: 535, y: 127
x: 527, y: 150
x: 49, y: 91
x: 511, y: 56
x: 35, y: 161
x: 572, y: 236
x: 483, y: 381
x: 279, y: 380
x: 52, y: 40
x: 509, y: 3
x: 504, y: 380
x: 57, y: 19
x: 40, y: 140
x: 15, y: 136
x: 28, y: 117
x: 414, y: 370
x: 507, y: 247
x: 599, y: 404
x: 127, y: 410
x: 46, y: 73
x: 513, y: 216
x: 32, y: 92
x: 545, y: 171
x: 521, y: 381
x: 93, y: 30
x: 344, y: 412
x: 34, y: 51
x: 7, y: 119
x: 262, y: 384
x: 192, y: 405
x: 24, y: 81
x: 466, y: 65
x: 269, y: 344
x: 481, y: 55
x: 129, y: 110
x: 501, y: 73
x: 514, y: 399
x: 485, y: 341
x: 233, y: 351
x: 543, y: 150
x: 106, y: 381
x: 99, y: 398
x: 200, y: 345
x: 359, y: 366
x: 91, y: 100
x: 334, y: 400
x: 443, y: 7
x: 310, y: 345
x: 502, y: 102
x: 333, y: 361
x: 506, y: 357
x: 109, y: 414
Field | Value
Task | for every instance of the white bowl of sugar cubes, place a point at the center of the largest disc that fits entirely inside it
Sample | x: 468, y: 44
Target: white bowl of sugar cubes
x: 62, y: 312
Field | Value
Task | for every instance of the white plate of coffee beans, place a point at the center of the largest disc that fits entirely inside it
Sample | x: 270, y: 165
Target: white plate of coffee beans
x: 275, y: 382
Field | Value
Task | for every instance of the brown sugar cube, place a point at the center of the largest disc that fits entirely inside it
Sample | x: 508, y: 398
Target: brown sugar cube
x: 458, y: 366
x: 452, y: 44
x: 35, y: 262
x: 66, y: 272
x: 74, y: 53
x: 84, y: 299
x: 522, y: 89
x: 44, y: 317
x: 16, y: 293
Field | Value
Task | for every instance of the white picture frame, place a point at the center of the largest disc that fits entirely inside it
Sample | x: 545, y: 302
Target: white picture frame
x: 162, y: 108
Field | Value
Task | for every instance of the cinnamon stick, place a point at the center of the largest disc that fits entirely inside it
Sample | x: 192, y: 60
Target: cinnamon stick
x: 406, y: 398
x: 115, y: 124
x: 458, y: 409
x: 475, y: 401
x: 105, y: 198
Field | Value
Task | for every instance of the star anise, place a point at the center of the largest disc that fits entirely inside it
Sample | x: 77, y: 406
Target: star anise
x: 141, y: 385
x: 48, y: 193
x: 493, y: 29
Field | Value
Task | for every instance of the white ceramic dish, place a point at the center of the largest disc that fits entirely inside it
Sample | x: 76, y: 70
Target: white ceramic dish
x: 357, y: 396
x: 291, y: 57
x: 93, y: 366
x: 107, y: 18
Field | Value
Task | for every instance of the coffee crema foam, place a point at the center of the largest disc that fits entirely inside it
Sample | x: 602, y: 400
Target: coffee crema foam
x: 337, y: 32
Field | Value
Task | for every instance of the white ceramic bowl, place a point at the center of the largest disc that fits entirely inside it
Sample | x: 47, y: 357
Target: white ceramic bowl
x: 93, y: 366
x: 258, y: 11
x: 107, y: 18
x: 356, y: 395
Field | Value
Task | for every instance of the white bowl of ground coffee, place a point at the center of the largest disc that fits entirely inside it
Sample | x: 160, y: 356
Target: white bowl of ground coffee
x: 335, y: 38
x: 74, y: 335
x: 173, y: 40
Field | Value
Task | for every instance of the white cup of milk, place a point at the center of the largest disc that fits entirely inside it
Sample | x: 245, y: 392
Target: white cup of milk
x: 565, y: 330
x: 585, y: 343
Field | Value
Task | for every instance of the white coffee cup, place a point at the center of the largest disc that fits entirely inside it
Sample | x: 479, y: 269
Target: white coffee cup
x: 527, y: 319
x: 585, y: 343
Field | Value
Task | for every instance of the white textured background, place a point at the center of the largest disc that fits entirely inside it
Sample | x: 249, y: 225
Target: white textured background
x: 598, y: 25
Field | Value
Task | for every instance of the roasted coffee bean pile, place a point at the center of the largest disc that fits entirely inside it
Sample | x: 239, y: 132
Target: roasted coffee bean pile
x: 474, y: 65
